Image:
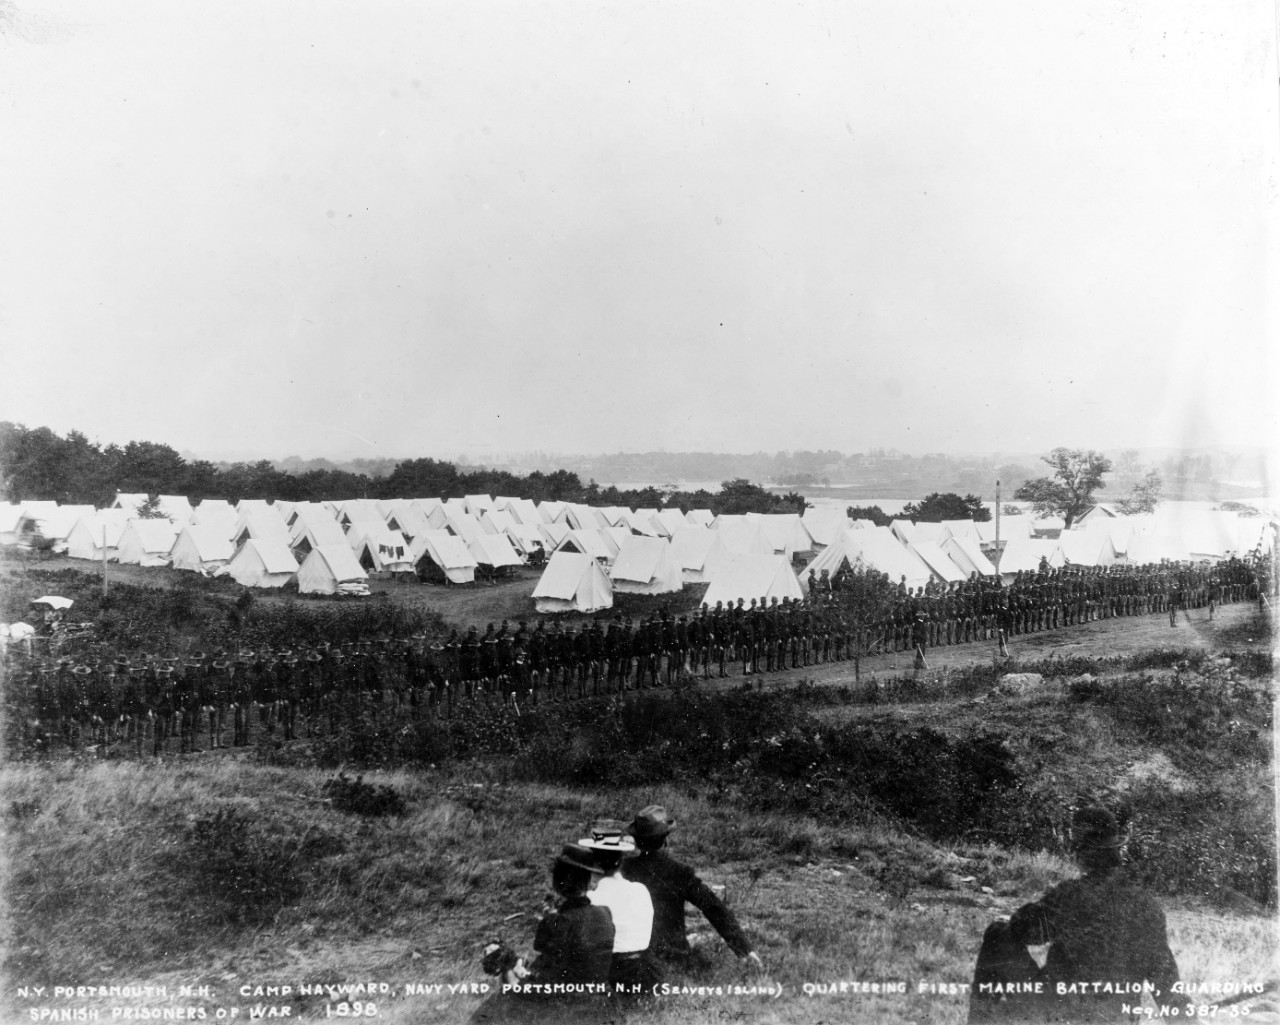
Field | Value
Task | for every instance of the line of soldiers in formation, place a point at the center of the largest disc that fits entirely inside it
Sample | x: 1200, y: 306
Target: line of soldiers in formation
x: 1052, y: 598
x: 222, y: 698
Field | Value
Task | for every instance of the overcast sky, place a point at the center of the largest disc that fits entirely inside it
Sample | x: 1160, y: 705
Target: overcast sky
x: 410, y: 228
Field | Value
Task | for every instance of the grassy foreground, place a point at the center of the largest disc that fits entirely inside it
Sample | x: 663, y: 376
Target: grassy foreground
x: 225, y: 873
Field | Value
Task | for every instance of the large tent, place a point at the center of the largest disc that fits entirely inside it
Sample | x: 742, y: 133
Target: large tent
x: 825, y: 524
x: 966, y: 554
x: 696, y: 550
x: 1025, y: 555
x: 10, y: 514
x: 49, y: 521
x: 201, y: 548
x: 442, y: 557
x: 332, y: 569
x: 263, y: 563
x: 146, y: 542
x: 586, y: 542
x: 216, y: 512
x: 944, y: 570
x: 379, y: 549
x: 315, y: 528
x: 741, y: 536
x: 95, y: 531
x: 259, y: 525
x: 1087, y: 548
x: 672, y: 520
x: 494, y: 554
x: 752, y: 576
x: 572, y: 582
x: 645, y: 565
x: 872, y: 548
x: 785, y: 531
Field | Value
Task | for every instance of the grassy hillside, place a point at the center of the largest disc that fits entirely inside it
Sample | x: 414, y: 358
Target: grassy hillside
x: 232, y: 871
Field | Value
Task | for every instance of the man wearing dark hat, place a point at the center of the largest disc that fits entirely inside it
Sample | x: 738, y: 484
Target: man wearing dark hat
x: 671, y: 885
x: 1106, y: 942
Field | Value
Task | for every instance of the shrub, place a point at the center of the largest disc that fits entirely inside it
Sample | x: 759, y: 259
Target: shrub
x: 356, y: 797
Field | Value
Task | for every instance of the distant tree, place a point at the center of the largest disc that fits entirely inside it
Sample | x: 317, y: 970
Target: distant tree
x: 936, y: 508
x: 150, y: 509
x: 869, y: 512
x: 152, y: 468
x: 1077, y: 474
x: 1145, y: 496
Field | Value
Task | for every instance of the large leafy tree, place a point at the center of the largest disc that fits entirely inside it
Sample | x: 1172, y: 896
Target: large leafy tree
x: 1077, y: 475
x: 938, y: 507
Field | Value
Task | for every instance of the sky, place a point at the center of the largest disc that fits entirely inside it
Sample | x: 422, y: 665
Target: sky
x: 393, y: 229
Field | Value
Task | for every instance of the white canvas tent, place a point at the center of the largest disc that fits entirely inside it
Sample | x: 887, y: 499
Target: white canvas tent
x: 465, y: 527
x: 1023, y: 554
x: 752, y: 576
x: 215, y: 512
x: 10, y: 514
x: 824, y: 524
x: 201, y: 549
x: 379, y: 549
x: 785, y: 531
x: 129, y: 501
x: 86, y: 539
x: 146, y: 542
x: 696, y: 550
x: 700, y: 517
x: 572, y: 582
x: 1087, y: 548
x: 672, y: 520
x: 49, y: 521
x: 176, y: 507
x: 408, y: 518
x: 966, y: 554
x: 494, y: 553
x: 586, y: 542
x: 740, y: 536
x: 332, y: 569
x: 315, y: 528
x: 442, y: 556
x: 259, y: 525
x: 872, y: 548
x: 944, y: 570
x: 550, y: 511
x: 477, y: 504
x: 262, y: 564
x: 645, y: 565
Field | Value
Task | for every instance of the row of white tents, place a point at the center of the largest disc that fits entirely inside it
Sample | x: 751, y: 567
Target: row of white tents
x: 646, y: 551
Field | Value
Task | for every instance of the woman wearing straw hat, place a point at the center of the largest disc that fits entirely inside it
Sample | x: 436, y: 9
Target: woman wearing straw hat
x: 633, y: 973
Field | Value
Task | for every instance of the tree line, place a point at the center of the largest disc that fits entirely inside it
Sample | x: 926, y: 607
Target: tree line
x: 37, y: 463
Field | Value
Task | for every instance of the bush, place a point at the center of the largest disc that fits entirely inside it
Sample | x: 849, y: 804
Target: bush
x: 356, y: 797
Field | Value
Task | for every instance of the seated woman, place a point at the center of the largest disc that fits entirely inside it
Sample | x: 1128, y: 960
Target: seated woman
x: 574, y: 945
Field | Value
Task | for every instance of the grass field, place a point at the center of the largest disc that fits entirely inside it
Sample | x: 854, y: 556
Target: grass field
x: 237, y: 872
